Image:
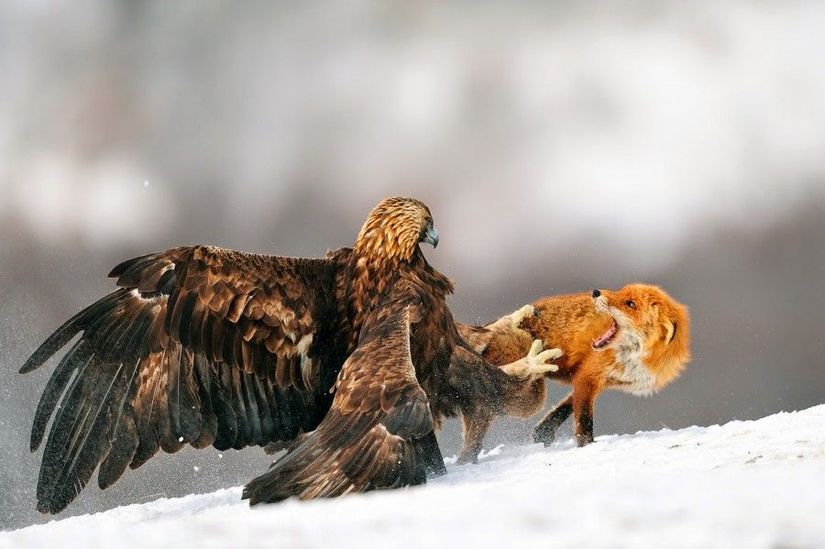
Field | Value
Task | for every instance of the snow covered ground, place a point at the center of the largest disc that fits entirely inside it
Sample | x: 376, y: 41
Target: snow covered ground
x: 743, y: 484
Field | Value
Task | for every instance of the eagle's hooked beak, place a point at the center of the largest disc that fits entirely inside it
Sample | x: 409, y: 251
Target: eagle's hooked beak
x: 430, y: 236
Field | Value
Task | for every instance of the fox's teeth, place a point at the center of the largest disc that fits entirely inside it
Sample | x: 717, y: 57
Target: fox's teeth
x: 606, y: 337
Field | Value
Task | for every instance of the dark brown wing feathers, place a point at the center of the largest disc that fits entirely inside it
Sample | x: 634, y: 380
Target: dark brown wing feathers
x: 207, y: 346
x: 368, y: 439
x: 199, y: 346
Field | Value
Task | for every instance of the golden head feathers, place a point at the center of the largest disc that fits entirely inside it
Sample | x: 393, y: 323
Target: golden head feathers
x: 394, y: 228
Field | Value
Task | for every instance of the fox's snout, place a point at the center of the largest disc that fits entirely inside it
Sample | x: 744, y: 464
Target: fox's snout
x: 600, y: 300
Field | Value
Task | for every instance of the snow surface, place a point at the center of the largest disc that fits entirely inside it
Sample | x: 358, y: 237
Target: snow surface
x: 743, y: 484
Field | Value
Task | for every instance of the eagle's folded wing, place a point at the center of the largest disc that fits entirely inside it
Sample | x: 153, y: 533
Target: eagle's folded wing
x: 369, y: 438
x: 199, y: 346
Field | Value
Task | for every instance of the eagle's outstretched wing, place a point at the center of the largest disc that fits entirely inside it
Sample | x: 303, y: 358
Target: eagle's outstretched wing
x: 199, y: 346
x: 369, y: 439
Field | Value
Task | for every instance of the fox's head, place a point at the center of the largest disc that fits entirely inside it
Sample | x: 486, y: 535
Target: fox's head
x: 645, y: 316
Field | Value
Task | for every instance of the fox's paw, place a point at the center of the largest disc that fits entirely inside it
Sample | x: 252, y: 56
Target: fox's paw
x: 583, y: 439
x: 535, y: 364
x: 543, y: 434
x: 517, y: 317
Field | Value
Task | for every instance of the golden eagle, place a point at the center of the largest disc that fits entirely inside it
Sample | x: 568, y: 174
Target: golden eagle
x: 207, y: 346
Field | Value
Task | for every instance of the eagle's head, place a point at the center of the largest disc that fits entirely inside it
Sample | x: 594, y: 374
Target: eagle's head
x: 394, y: 228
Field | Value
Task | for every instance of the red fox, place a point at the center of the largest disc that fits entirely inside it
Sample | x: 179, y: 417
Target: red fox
x: 636, y: 339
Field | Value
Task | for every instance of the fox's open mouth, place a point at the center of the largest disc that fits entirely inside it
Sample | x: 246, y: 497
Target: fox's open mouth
x: 602, y: 341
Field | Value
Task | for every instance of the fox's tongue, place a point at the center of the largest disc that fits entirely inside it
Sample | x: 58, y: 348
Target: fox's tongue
x: 605, y: 338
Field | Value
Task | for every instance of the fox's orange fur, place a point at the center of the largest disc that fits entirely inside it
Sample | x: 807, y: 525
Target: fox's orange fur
x: 649, y: 349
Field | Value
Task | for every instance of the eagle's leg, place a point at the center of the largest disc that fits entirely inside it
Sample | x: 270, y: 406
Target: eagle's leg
x: 429, y: 458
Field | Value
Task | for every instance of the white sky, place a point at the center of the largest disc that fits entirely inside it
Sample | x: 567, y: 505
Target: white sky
x: 646, y: 128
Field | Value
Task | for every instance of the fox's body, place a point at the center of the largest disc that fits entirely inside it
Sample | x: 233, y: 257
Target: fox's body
x: 636, y: 340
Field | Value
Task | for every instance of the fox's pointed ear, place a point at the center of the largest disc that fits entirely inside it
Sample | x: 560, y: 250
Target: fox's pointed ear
x: 670, y: 326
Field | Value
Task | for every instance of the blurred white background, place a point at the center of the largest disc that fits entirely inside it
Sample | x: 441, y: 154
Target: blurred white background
x: 561, y: 146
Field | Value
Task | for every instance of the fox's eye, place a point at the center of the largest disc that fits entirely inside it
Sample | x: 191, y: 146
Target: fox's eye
x: 630, y: 303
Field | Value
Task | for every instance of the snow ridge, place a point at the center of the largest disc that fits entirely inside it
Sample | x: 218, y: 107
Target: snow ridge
x: 746, y: 483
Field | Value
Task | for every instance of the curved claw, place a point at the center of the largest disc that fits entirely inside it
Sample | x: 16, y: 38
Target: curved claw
x: 549, y: 354
x: 535, y: 364
x: 537, y: 359
x: 517, y: 317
